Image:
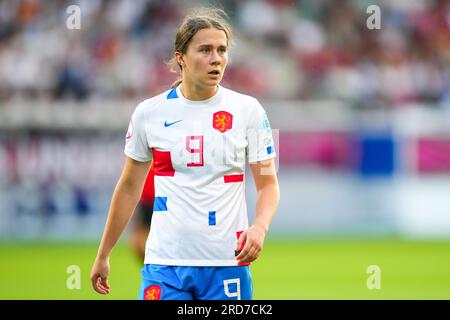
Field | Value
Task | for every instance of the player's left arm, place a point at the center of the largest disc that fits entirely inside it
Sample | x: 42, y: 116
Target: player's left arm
x: 268, y: 197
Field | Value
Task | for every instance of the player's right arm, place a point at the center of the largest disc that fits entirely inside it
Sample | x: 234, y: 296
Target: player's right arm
x: 124, y: 201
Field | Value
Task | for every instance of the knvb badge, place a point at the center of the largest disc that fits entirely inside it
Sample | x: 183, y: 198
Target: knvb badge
x: 222, y: 121
x: 152, y: 293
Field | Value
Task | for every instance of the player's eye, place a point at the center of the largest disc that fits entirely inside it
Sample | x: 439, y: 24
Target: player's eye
x: 205, y: 50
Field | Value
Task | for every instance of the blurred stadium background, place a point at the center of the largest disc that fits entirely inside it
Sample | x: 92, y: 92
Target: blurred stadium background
x: 363, y: 119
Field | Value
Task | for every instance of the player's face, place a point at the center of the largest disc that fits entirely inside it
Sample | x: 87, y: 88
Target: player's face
x: 206, y: 58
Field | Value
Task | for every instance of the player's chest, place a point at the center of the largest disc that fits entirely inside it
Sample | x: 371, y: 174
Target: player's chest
x: 196, y: 138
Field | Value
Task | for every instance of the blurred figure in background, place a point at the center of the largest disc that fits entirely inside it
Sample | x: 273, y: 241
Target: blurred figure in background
x: 142, y: 217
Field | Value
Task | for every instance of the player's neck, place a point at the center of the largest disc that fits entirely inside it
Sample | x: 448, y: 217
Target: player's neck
x: 197, y: 93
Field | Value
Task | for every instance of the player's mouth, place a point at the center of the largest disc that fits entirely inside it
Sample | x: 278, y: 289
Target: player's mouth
x: 214, y: 74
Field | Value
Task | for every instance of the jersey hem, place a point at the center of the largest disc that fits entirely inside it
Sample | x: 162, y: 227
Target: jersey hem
x: 192, y: 263
x: 271, y: 156
x: 135, y: 157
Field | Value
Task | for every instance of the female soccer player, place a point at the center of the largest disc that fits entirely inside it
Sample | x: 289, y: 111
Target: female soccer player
x: 199, y: 136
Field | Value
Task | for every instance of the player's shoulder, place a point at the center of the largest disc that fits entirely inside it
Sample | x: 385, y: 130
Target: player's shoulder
x: 246, y: 103
x: 238, y: 96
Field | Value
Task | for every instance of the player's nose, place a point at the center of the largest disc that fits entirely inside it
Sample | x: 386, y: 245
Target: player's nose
x: 215, y: 59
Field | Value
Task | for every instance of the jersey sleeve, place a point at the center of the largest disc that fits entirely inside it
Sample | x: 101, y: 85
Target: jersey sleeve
x: 136, y: 144
x: 259, y: 135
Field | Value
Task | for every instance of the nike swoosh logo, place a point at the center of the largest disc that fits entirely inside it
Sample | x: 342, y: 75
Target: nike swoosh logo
x: 168, y: 124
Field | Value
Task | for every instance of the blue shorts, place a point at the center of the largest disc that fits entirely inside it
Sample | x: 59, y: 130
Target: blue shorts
x: 161, y: 282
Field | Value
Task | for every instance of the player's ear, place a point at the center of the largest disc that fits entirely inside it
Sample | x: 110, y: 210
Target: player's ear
x: 179, y: 57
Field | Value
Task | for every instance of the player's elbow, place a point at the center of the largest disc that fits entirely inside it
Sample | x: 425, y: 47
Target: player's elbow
x: 129, y: 185
x: 270, y: 190
x: 267, y: 182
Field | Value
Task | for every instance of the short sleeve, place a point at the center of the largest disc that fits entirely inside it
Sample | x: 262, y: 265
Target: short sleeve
x: 136, y: 144
x: 259, y: 135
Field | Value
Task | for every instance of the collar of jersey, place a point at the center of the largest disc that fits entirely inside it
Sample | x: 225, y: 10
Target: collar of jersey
x: 200, y: 103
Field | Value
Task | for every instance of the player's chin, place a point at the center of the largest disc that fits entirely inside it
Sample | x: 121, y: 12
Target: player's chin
x: 213, y: 82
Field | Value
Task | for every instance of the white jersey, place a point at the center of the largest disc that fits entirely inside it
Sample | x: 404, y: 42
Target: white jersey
x: 199, y: 150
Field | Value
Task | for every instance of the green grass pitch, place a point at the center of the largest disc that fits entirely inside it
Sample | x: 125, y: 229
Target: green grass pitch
x: 287, y: 269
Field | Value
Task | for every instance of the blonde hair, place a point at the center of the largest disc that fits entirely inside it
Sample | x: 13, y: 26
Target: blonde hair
x: 198, y: 19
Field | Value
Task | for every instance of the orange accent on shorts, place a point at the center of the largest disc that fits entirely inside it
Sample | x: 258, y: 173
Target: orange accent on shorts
x: 152, y: 293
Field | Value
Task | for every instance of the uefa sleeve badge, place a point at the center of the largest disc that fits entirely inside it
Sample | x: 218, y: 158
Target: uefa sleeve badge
x: 266, y: 124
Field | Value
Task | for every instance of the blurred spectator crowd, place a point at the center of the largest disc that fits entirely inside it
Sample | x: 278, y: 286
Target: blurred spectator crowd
x: 283, y: 49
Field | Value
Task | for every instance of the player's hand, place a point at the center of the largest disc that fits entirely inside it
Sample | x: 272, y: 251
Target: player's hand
x: 249, y: 244
x: 99, y: 275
